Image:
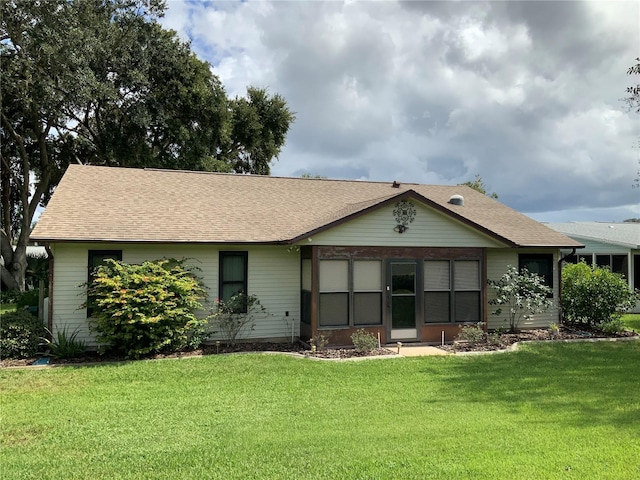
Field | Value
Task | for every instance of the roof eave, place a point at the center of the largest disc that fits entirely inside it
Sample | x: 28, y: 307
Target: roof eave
x: 550, y: 246
x: 603, y: 240
x: 160, y: 241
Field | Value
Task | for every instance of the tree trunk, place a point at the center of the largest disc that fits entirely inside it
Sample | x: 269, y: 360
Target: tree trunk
x: 13, y: 271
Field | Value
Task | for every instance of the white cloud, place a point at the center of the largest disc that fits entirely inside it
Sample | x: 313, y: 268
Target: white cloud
x: 525, y: 94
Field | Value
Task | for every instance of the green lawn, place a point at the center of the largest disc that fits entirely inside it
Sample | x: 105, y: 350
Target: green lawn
x: 566, y: 411
x: 632, y: 321
x: 7, y: 307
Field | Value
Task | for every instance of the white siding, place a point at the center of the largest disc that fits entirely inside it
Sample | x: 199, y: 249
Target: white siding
x: 70, y: 271
x: 273, y: 276
x: 497, y: 262
x: 429, y: 229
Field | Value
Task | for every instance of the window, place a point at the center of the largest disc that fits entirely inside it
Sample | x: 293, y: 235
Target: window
x: 334, y: 293
x: 305, y: 297
x: 350, y: 293
x: 467, y: 290
x: 616, y: 263
x: 233, y: 275
x: 586, y: 258
x: 538, y: 263
x: 437, y: 291
x: 452, y: 291
x: 367, y: 292
x: 97, y: 258
x: 620, y: 264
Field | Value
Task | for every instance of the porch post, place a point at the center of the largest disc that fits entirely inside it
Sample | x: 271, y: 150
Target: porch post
x: 314, y: 289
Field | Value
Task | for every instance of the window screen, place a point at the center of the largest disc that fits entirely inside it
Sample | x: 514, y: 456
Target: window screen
x: 540, y: 264
x: 367, y: 292
x: 233, y: 276
x: 334, y: 293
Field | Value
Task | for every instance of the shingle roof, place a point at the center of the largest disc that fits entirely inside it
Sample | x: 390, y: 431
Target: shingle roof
x: 625, y: 234
x: 131, y: 205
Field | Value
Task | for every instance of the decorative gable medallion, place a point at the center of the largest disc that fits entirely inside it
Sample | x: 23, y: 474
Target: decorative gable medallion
x: 405, y: 213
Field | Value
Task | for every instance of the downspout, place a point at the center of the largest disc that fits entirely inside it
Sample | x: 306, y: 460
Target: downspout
x: 50, y: 313
x: 573, y: 252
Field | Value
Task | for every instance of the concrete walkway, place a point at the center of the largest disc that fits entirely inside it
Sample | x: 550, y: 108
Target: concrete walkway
x: 416, y: 350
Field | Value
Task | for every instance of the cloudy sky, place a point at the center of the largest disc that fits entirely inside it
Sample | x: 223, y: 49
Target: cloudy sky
x: 525, y: 94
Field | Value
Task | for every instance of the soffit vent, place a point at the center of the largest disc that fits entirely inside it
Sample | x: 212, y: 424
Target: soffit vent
x: 456, y: 200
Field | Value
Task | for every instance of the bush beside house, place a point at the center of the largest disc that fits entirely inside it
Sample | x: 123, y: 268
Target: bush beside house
x: 593, y: 295
x: 146, y: 308
x: 20, y: 334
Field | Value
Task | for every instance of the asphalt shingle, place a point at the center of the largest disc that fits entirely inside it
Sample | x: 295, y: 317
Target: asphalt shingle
x: 131, y: 205
x: 616, y: 233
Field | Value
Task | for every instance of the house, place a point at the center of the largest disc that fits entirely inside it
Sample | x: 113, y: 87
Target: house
x: 607, y: 244
x: 406, y: 261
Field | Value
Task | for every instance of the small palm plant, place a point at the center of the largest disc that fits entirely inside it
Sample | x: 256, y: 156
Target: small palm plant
x: 64, y: 344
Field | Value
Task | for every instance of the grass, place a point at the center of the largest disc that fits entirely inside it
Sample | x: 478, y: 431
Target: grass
x: 632, y: 321
x: 565, y: 411
x: 7, y: 307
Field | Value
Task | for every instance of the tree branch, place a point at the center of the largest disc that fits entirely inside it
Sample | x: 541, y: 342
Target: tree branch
x: 8, y: 279
x: 6, y: 250
x: 22, y: 183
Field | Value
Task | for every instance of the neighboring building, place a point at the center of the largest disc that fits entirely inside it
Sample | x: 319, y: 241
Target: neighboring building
x: 405, y: 261
x: 607, y: 244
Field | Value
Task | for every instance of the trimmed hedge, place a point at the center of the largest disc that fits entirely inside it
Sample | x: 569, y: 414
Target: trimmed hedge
x: 20, y: 334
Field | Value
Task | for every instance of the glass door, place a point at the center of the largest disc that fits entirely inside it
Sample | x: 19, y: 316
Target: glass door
x: 402, y: 299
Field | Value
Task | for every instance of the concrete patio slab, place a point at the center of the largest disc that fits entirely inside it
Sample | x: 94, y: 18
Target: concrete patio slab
x: 416, y: 350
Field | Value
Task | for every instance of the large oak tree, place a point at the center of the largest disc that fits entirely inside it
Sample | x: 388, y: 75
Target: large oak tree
x: 102, y: 82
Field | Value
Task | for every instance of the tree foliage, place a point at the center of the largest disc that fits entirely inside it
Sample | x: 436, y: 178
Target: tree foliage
x: 633, y: 100
x: 633, y: 103
x: 101, y: 82
x: 592, y: 295
x: 521, y: 293
x: 146, y: 308
x: 478, y: 184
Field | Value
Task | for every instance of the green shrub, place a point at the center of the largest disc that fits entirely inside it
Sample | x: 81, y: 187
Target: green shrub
x: 28, y: 299
x: 612, y: 326
x: 494, y: 338
x: 364, y: 341
x: 9, y: 296
x: 472, y: 333
x: 64, y: 344
x: 594, y: 295
x: 235, y: 316
x: 146, y: 308
x: 522, y: 293
x: 20, y: 334
x: 319, y: 341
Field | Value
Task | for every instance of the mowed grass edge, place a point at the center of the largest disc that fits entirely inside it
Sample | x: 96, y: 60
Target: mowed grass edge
x: 632, y: 321
x: 547, y: 411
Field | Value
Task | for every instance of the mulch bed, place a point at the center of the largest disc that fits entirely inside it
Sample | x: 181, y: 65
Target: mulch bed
x: 242, y: 347
x: 506, y: 340
x: 540, y: 334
